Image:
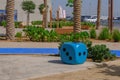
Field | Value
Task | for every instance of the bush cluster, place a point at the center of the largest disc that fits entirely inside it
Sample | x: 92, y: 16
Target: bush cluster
x: 70, y: 23
x: 116, y: 35
x: 17, y: 24
x: 4, y: 24
x: 60, y: 24
x: 100, y: 53
x: 36, y: 22
x: 90, y: 24
x: 93, y: 33
x: 104, y: 34
x: 18, y: 34
x: 40, y: 34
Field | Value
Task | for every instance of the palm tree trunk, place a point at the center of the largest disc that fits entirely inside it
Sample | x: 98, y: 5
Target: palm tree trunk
x: 77, y: 16
x: 98, y: 14
x: 46, y: 14
x: 51, y: 17
x: 28, y: 18
x: 10, y: 29
x: 110, y: 15
x: 43, y: 19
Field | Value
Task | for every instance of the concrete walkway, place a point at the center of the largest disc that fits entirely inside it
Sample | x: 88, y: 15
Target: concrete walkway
x: 7, y: 44
x: 25, y: 67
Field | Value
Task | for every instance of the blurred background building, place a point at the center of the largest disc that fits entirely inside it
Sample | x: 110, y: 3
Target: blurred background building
x: 20, y: 15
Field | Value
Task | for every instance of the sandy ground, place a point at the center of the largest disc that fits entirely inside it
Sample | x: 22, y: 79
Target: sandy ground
x: 104, y: 71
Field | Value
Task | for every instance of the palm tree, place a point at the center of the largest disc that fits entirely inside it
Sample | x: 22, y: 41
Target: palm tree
x: 110, y: 15
x: 77, y: 15
x: 42, y: 12
x: 98, y: 14
x: 29, y: 7
x: 76, y: 4
x: 45, y: 14
x: 10, y: 29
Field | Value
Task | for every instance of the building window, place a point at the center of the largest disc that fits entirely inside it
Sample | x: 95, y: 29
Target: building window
x: 3, y: 15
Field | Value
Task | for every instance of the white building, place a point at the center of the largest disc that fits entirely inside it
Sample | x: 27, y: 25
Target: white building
x: 21, y: 15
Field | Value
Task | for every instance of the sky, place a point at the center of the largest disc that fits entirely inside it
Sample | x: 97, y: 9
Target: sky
x: 89, y: 7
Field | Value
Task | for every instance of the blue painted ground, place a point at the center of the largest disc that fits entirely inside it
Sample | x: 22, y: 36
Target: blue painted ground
x: 38, y: 51
x: 29, y: 51
x: 117, y: 52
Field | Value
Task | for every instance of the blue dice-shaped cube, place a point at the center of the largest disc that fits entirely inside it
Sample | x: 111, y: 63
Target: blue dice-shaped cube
x: 73, y: 53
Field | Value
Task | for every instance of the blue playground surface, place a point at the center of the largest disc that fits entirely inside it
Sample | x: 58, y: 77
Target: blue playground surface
x: 39, y: 51
x: 29, y: 51
x: 117, y: 52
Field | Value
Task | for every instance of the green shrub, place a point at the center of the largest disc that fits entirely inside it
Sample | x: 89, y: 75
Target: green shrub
x: 100, y: 53
x: 84, y: 36
x: 74, y: 37
x: 92, y: 25
x: 3, y: 23
x: 53, y: 36
x: 17, y: 24
x: 64, y: 38
x: 104, y: 34
x: 36, y: 22
x: 68, y: 23
x: 18, y: 34
x: 54, y: 25
x: 60, y: 25
x: 35, y: 33
x: 77, y: 37
x: 93, y: 33
x: 116, y: 35
x: 110, y: 37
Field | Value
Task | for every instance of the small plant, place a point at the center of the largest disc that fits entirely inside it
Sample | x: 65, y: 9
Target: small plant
x: 91, y: 25
x: 54, y: 25
x: 33, y: 32
x: 84, y: 36
x: 104, y: 34
x: 64, y: 38
x: 93, y: 33
x: 76, y: 37
x: 53, y: 36
x: 3, y: 23
x: 60, y: 25
x: 100, y: 53
x: 17, y: 24
x: 36, y: 22
x: 116, y: 35
x: 18, y: 34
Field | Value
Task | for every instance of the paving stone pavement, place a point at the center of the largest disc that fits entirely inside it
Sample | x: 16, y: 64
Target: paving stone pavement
x: 24, y: 67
